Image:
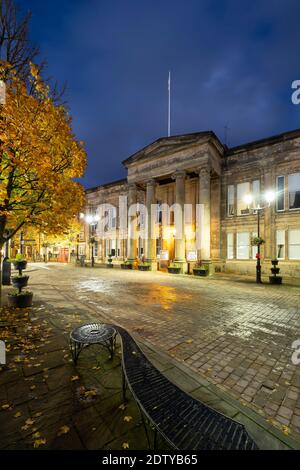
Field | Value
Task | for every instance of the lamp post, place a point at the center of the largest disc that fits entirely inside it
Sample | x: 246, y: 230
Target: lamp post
x: 268, y: 198
x: 92, y: 220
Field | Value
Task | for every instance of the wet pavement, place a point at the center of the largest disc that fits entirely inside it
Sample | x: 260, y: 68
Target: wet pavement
x: 237, y: 335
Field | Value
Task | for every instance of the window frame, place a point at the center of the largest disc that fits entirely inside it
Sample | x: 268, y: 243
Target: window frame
x: 277, y: 178
x: 229, y: 186
x: 293, y: 208
x: 237, y: 246
x: 294, y: 244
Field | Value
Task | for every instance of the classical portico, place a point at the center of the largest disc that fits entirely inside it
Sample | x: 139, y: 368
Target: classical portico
x: 176, y: 171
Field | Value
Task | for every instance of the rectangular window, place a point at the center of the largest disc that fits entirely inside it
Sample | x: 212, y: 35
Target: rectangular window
x: 112, y: 217
x: 242, y: 190
x: 254, y: 248
x: 294, y: 244
x: 280, y: 244
x: 256, y: 192
x: 294, y: 191
x: 96, y: 249
x: 280, y: 193
x: 158, y: 212
x: 230, y: 200
x: 230, y: 246
x: 242, y: 245
x: 81, y: 250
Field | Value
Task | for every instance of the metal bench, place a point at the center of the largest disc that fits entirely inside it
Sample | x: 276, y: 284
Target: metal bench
x: 184, y: 422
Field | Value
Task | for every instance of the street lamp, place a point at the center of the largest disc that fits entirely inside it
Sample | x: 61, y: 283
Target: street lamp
x: 92, y: 220
x: 267, y: 198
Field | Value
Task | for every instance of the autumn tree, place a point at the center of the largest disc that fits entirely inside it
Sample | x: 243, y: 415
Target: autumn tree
x: 39, y: 158
x: 15, y: 47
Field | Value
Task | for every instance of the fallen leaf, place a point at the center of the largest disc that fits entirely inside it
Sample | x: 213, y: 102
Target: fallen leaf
x: 122, y: 407
x: 29, y: 421
x: 18, y: 414
x: 74, y: 378
x: 39, y: 442
x: 286, y: 430
x: 189, y: 341
x: 32, y: 387
x: 5, y: 407
x: 127, y: 418
x: 125, y: 445
x: 63, y: 430
x: 36, y: 435
x: 38, y: 414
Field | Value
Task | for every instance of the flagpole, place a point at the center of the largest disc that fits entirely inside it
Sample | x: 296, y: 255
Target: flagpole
x: 169, y: 105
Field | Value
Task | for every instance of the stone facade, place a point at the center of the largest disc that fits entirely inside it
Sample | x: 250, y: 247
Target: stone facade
x: 199, y: 171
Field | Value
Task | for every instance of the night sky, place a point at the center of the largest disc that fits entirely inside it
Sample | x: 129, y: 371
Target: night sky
x: 232, y: 64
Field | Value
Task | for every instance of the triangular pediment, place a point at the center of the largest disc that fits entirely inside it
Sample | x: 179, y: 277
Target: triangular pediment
x: 169, y: 145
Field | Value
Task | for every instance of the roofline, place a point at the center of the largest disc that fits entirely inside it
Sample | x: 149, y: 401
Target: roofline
x: 105, y: 185
x: 262, y: 142
x: 166, y: 138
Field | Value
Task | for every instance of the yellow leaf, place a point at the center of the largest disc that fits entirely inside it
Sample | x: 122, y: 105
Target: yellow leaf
x: 29, y: 421
x: 39, y: 442
x: 127, y: 418
x: 286, y: 430
x: 18, y: 414
x: 32, y: 387
x: 125, y: 445
x: 38, y: 414
x: 189, y: 341
x: 36, y: 435
x: 5, y: 407
x: 63, y: 430
x: 74, y: 378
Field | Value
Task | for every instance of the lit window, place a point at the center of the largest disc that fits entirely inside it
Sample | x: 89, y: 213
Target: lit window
x: 294, y: 244
x: 230, y: 200
x: 230, y: 246
x: 294, y: 191
x: 96, y: 249
x: 242, y: 245
x: 280, y: 193
x: 242, y: 190
x: 280, y: 243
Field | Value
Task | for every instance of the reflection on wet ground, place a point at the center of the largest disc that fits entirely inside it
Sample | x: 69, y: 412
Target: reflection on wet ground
x: 236, y: 334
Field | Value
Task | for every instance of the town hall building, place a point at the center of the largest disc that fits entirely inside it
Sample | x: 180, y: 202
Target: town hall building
x: 197, y: 170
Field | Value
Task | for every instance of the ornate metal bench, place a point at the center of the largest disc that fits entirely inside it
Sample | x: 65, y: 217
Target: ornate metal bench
x: 183, y: 421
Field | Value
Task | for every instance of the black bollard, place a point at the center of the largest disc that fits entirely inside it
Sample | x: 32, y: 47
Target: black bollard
x: 6, y: 272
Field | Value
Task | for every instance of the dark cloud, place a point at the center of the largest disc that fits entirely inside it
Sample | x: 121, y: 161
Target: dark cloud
x: 232, y: 64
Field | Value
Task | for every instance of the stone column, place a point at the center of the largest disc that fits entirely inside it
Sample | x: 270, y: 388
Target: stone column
x: 204, y: 223
x: 179, y: 177
x: 131, y: 238
x: 150, y: 244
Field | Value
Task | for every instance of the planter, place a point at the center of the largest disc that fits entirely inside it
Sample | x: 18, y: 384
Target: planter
x: 20, y: 265
x: 20, y: 301
x: 174, y: 270
x: 275, y: 280
x: 143, y: 268
x: 126, y: 266
x: 274, y: 262
x: 109, y: 265
x: 200, y: 272
x: 19, y: 282
x: 275, y: 270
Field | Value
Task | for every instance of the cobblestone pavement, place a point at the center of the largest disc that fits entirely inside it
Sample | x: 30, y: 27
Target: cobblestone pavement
x: 237, y: 335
